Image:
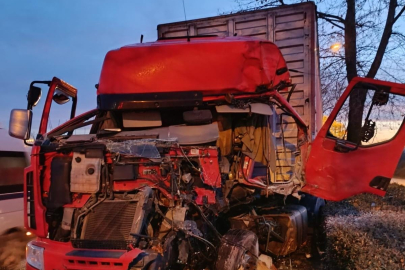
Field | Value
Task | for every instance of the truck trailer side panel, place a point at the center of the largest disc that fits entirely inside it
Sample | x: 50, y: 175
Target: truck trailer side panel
x: 293, y: 29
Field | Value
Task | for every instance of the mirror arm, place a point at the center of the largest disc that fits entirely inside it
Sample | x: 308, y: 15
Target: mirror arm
x: 29, y: 129
x: 27, y: 144
x: 74, y: 103
x: 41, y: 82
x: 73, y: 111
x: 29, y: 107
x: 369, y: 112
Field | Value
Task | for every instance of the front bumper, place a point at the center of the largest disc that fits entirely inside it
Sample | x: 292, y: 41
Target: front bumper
x: 62, y: 256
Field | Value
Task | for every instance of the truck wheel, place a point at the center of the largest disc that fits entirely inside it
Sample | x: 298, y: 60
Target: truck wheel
x: 313, y: 205
x: 239, y: 249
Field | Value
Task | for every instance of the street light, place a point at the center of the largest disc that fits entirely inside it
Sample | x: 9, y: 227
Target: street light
x: 335, y: 47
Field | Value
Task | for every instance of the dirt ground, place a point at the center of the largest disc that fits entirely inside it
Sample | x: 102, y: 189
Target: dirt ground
x: 12, y: 250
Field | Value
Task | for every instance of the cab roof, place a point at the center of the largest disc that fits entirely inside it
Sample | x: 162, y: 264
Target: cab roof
x: 211, y: 65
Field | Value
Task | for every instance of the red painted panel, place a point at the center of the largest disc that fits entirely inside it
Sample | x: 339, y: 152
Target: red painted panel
x: 211, y: 65
x: 210, y: 167
x: 201, y: 193
x: 39, y: 209
x: 334, y: 175
x: 56, y: 258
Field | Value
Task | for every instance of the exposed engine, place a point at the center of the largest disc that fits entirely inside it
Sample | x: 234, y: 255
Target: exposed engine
x: 186, y: 206
x: 179, y: 206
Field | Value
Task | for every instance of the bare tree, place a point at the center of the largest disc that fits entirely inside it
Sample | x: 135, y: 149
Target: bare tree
x: 374, y: 46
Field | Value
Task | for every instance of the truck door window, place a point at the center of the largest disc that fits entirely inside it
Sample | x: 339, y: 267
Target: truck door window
x: 376, y: 122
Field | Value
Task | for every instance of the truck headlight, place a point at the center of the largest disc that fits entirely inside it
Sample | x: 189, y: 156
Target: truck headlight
x: 35, y: 256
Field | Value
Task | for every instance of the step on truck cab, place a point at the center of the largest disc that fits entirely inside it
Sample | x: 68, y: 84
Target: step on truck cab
x: 178, y: 167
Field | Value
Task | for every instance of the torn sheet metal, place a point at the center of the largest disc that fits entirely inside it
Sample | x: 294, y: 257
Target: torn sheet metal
x: 211, y: 65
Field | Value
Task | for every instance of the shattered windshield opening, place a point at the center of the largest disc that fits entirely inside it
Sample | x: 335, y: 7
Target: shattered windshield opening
x: 145, y: 148
x: 252, y: 131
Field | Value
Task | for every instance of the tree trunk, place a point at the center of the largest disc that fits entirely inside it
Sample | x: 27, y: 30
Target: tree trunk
x: 384, y: 40
x: 358, y: 96
x: 356, y: 102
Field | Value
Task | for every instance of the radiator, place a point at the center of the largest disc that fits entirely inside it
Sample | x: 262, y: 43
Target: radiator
x: 109, y: 225
x: 111, y: 220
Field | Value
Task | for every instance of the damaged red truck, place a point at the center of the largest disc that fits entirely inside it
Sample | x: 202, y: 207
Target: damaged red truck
x: 180, y: 167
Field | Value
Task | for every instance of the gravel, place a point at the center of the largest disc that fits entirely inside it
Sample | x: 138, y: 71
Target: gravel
x: 366, y: 231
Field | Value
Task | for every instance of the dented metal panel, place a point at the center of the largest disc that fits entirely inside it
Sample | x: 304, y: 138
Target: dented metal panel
x: 209, y: 65
x: 293, y: 29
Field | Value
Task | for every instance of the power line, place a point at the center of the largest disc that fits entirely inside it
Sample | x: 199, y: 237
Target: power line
x: 184, y: 10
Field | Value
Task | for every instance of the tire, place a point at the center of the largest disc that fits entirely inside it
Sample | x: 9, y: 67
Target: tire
x: 239, y: 249
x: 313, y: 205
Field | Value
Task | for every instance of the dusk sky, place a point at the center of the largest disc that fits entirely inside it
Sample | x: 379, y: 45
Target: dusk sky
x: 69, y: 39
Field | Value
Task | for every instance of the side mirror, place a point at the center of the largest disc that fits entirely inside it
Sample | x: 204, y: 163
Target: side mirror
x: 34, y: 95
x: 60, y: 98
x: 19, y: 124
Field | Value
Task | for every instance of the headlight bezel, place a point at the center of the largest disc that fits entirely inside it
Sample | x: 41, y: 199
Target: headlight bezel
x: 35, y: 256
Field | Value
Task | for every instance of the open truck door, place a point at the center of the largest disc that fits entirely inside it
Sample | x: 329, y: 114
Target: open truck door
x: 360, y: 155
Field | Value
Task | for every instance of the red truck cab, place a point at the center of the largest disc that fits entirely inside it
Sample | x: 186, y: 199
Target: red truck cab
x: 177, y: 171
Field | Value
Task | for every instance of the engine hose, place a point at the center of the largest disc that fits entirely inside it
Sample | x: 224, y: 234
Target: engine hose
x: 200, y: 238
x: 108, y: 182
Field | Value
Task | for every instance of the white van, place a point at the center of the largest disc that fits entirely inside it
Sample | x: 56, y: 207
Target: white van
x: 13, y: 159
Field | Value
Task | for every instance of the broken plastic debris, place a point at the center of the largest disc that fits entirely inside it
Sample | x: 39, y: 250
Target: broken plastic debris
x: 139, y: 148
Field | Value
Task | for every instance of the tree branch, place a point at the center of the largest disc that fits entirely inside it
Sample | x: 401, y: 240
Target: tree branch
x: 331, y: 64
x: 399, y: 14
x: 323, y: 15
x: 384, y: 39
x: 398, y: 34
x: 333, y: 23
x: 395, y: 79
